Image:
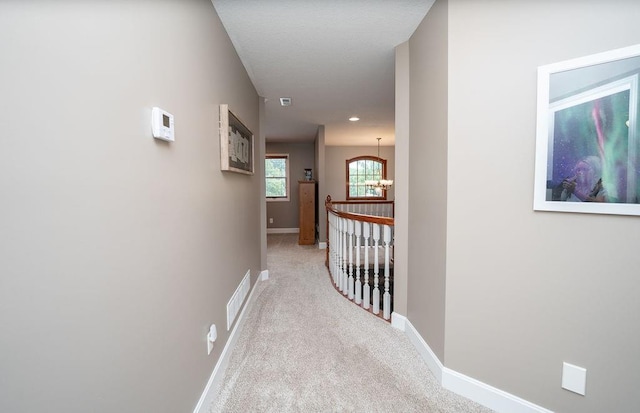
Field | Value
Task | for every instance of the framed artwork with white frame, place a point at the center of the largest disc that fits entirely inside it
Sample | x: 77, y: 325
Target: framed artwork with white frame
x: 587, y: 148
x: 236, y: 143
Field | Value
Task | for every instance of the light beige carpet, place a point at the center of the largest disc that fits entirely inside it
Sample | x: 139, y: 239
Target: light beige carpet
x: 305, y: 348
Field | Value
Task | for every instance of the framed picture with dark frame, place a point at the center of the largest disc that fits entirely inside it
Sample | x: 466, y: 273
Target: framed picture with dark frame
x: 236, y: 143
x: 587, y: 148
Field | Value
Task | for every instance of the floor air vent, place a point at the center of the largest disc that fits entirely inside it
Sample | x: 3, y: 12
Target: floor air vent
x: 235, y: 303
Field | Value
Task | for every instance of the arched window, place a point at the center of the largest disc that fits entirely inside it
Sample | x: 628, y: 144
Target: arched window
x: 365, y: 168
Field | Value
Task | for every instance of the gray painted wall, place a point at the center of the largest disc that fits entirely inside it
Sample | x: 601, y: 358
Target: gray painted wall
x: 335, y: 167
x: 286, y: 214
x: 260, y: 168
x: 525, y: 290
x: 320, y: 173
x: 401, y: 183
x: 117, y: 250
x: 427, y: 235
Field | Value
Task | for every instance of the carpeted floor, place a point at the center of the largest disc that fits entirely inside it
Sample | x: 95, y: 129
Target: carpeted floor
x: 305, y: 348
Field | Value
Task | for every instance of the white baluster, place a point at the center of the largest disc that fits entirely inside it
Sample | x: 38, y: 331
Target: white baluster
x: 350, y: 246
x: 343, y: 278
x: 332, y: 245
x: 358, y: 233
x: 330, y: 241
x: 376, y: 267
x: 335, y: 249
x: 386, y: 300
x: 338, y: 252
x: 366, y: 290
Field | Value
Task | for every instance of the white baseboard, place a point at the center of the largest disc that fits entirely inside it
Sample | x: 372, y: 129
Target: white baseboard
x: 283, y: 230
x: 433, y: 362
x: 482, y: 393
x: 215, y: 381
x: 322, y: 245
x: 398, y: 321
x: 496, y: 399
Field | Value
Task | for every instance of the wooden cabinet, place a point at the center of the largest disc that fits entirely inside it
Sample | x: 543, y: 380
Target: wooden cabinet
x: 307, y: 205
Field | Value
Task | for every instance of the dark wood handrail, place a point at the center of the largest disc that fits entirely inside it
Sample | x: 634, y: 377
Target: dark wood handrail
x: 358, y: 217
x: 361, y: 202
x: 362, y: 217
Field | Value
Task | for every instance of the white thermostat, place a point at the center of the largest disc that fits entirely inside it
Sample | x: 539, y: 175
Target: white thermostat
x: 162, y: 124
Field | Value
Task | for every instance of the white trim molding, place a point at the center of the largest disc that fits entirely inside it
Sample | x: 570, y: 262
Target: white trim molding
x: 283, y: 230
x: 482, y: 393
x: 486, y: 395
x: 264, y: 275
x: 215, y: 381
x: 433, y: 362
x: 322, y: 245
x: 398, y: 321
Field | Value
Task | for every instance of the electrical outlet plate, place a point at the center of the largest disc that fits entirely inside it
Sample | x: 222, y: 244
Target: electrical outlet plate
x: 211, y: 337
x: 574, y: 378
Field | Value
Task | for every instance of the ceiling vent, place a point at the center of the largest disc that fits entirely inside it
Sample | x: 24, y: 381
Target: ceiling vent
x: 285, y: 101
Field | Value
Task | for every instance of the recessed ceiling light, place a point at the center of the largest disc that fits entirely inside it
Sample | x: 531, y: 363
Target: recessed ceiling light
x: 354, y: 119
x: 285, y: 101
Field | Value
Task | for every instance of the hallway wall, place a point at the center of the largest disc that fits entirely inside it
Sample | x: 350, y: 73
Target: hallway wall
x: 525, y: 290
x: 117, y: 250
x: 336, y: 172
x: 427, y: 189
x: 319, y: 173
x: 286, y: 214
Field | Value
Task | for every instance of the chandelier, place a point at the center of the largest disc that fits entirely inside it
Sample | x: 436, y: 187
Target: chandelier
x: 380, y: 184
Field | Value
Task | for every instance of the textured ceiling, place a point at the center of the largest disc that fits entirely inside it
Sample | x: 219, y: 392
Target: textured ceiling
x: 333, y: 58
